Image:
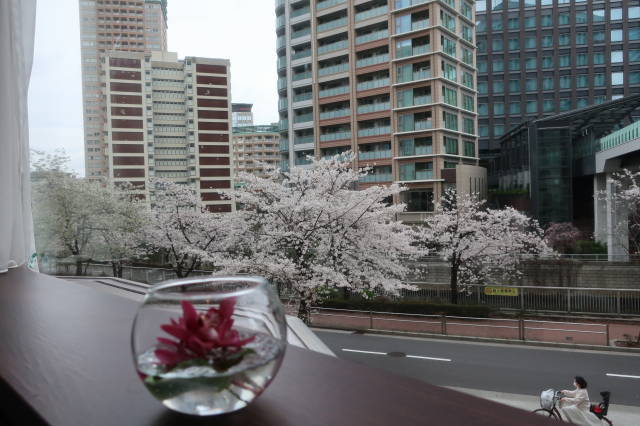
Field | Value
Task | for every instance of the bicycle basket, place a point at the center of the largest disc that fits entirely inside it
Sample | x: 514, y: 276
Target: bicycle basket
x: 547, y: 398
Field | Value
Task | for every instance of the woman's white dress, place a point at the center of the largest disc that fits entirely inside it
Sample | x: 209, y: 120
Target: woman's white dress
x: 574, y: 408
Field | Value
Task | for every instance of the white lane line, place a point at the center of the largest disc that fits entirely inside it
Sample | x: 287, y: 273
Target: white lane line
x: 364, y: 352
x: 626, y: 376
x: 408, y: 356
x: 429, y: 358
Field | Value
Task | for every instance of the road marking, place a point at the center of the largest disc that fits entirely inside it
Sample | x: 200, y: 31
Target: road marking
x: 364, y: 352
x: 429, y: 358
x: 386, y: 353
x: 626, y: 376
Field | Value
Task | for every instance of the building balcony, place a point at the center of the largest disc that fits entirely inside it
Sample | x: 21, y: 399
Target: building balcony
x: 301, y: 54
x: 413, y: 76
x: 336, y: 23
x: 323, y: 4
x: 335, y: 136
x: 371, y: 13
x: 334, y: 69
x: 337, y: 45
x: 334, y: 91
x: 299, y: 12
x: 415, y: 126
x: 301, y: 97
x: 403, y: 4
x: 374, y: 155
x: 373, y: 84
x: 374, y: 131
x: 414, y: 101
x: 375, y: 107
x: 300, y: 33
x: 410, y: 51
x: 303, y: 118
x: 337, y: 113
x: 376, y: 178
x: 302, y: 76
x: 373, y: 36
x: 415, y: 26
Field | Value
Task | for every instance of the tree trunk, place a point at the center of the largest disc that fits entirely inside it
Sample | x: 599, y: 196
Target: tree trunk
x: 454, y: 284
x: 304, y: 311
x: 114, y: 269
x: 78, y: 268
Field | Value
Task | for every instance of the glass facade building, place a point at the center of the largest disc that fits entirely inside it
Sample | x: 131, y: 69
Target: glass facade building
x: 538, y: 58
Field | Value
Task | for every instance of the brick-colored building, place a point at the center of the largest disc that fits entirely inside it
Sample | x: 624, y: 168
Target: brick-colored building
x: 254, y: 148
x: 169, y: 118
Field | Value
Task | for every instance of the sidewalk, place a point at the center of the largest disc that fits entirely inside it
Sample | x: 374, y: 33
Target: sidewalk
x: 620, y: 415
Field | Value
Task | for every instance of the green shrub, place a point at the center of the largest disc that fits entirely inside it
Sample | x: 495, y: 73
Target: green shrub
x: 408, y: 307
x: 590, y: 247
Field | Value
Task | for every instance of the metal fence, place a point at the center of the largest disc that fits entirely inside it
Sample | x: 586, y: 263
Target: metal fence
x: 523, y: 298
x: 535, y: 299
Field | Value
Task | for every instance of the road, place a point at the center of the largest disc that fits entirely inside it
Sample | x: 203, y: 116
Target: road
x: 516, y: 369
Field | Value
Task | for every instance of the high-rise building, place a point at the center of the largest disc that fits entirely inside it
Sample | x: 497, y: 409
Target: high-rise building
x: 538, y: 58
x: 107, y: 25
x: 242, y: 115
x: 255, y: 148
x: 391, y: 80
x: 169, y: 118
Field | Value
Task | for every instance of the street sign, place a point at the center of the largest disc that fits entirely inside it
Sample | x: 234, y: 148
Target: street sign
x: 501, y: 291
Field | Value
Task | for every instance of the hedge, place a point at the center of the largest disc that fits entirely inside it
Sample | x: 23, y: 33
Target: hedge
x: 408, y: 307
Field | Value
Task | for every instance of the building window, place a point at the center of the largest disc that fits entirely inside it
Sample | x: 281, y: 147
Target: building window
x: 483, y: 131
x: 598, y: 37
x: 450, y: 145
x: 482, y: 66
x: 481, y: 5
x: 467, y: 102
x: 598, y: 58
x: 514, y: 86
x: 582, y: 81
x: 514, y: 108
x: 449, y: 71
x: 563, y: 18
x: 450, y: 96
x: 514, y: 64
x: 531, y: 84
x: 497, y: 65
x: 564, y: 60
x: 581, y: 17
x: 564, y: 39
x: 565, y: 82
x: 598, y: 80
x: 498, y: 108
x: 514, y: 44
x: 514, y: 23
x: 482, y: 110
x: 547, y: 62
x: 582, y: 59
x: 547, y: 83
x: 530, y: 63
x: 498, y: 130
x: 530, y: 42
x: 546, y: 21
x: 616, y: 14
x: 547, y: 41
x: 617, y: 78
x: 546, y: 2
x: 634, y: 33
x: 496, y: 23
x: 581, y: 38
x: 565, y: 104
x: 467, y: 80
x: 548, y: 105
x: 497, y: 44
x: 582, y: 102
x: 616, y: 35
x: 634, y: 55
x: 483, y: 87
x: 634, y: 77
x: 634, y: 12
x: 532, y: 106
x: 469, y: 149
x: 468, y: 125
x: 598, y: 15
x: 450, y: 120
x: 617, y: 56
x: 530, y: 22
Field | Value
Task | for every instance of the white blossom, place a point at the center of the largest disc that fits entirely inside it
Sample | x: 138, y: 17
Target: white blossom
x: 481, y: 245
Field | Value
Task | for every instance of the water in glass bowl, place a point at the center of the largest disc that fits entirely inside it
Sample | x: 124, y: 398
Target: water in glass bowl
x: 200, y: 389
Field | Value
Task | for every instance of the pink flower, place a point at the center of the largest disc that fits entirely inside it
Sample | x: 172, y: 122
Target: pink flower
x: 209, y: 336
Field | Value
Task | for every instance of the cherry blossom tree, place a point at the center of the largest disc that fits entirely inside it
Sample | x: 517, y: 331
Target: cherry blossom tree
x: 563, y: 236
x: 63, y: 213
x: 626, y: 197
x: 309, y: 230
x: 180, y: 227
x: 481, y: 245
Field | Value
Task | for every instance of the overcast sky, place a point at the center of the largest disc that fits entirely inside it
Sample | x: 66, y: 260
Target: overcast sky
x: 240, y: 30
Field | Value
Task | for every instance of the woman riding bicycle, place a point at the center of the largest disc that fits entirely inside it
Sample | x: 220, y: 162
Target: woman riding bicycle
x: 574, y: 405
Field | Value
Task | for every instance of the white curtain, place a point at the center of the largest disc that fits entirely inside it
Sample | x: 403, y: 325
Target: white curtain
x: 17, y: 31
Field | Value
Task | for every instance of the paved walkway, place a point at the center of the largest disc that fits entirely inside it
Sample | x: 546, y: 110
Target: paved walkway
x: 620, y: 415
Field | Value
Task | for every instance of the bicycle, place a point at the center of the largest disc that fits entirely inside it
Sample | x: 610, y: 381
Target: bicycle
x: 549, y: 406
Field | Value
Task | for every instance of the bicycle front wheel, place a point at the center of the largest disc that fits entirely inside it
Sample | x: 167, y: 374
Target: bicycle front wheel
x: 545, y: 412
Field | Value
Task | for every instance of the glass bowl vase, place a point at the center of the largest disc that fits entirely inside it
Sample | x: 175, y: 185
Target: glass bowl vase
x: 209, y: 345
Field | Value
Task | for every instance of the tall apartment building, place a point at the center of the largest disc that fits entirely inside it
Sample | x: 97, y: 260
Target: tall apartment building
x: 242, y: 114
x: 106, y: 25
x: 538, y: 58
x: 392, y: 80
x: 169, y: 118
x: 255, y: 148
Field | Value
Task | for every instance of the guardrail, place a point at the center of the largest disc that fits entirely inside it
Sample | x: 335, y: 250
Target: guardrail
x: 493, y: 328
